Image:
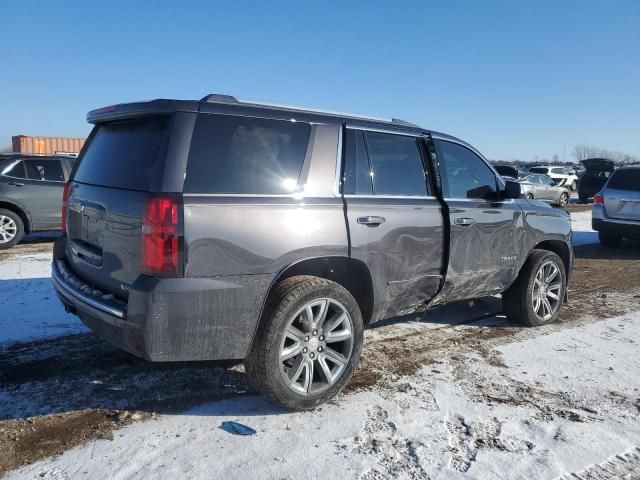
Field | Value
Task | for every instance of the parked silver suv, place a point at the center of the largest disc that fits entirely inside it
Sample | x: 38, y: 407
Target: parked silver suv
x: 220, y: 229
x: 616, y: 209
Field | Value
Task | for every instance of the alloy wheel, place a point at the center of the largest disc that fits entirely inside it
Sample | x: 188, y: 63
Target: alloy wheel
x: 564, y: 199
x: 316, y: 346
x: 547, y: 291
x: 8, y: 229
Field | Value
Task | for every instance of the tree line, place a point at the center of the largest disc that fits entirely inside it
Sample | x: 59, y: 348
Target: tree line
x: 582, y: 152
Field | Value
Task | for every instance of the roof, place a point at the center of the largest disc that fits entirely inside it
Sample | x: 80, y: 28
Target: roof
x: 169, y: 106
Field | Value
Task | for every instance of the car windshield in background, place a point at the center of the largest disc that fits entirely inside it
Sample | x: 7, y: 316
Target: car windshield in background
x: 626, y: 179
x: 541, y: 170
x: 124, y: 154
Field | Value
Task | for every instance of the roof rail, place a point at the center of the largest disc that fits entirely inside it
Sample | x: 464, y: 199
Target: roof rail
x: 219, y: 98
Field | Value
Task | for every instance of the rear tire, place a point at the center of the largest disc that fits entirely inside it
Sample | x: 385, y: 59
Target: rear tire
x: 302, y: 363
x: 530, y: 300
x: 609, y: 239
x: 11, y: 229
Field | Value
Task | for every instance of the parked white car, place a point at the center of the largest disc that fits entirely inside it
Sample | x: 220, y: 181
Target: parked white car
x: 561, y: 176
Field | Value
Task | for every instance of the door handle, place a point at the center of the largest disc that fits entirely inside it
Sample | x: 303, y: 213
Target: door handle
x: 371, y: 220
x: 464, y: 222
x: 16, y: 184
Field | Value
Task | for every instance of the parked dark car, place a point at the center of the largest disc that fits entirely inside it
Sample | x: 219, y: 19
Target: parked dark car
x: 597, y: 172
x: 507, y: 171
x: 218, y: 229
x: 30, y: 190
x: 616, y: 208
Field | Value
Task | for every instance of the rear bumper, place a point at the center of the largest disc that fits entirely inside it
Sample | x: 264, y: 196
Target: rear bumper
x: 601, y: 223
x: 176, y: 319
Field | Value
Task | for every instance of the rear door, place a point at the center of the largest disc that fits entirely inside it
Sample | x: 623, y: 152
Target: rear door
x: 622, y: 195
x: 395, y: 221
x: 482, y: 250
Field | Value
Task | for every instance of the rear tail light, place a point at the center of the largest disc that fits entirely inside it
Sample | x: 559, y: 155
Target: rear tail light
x: 598, y: 199
x: 160, y: 238
x: 65, y: 203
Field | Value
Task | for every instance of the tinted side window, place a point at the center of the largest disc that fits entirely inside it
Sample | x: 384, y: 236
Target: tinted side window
x: 357, y: 174
x: 17, y: 171
x: 231, y: 154
x: 466, y: 173
x: 396, y: 165
x: 628, y: 179
x: 50, y: 170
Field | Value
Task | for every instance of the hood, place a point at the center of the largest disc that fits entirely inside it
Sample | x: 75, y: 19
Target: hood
x: 598, y: 165
x: 506, y: 171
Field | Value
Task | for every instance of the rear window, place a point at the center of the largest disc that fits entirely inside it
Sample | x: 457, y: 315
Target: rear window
x: 234, y: 154
x: 124, y: 154
x: 542, y: 170
x: 625, y: 180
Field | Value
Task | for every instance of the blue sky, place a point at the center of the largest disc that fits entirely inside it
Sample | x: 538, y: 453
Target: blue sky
x: 516, y: 79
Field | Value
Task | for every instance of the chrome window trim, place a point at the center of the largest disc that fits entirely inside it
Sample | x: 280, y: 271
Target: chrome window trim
x: 507, y: 200
x: 336, y: 191
x: 295, y: 196
x: 392, y: 197
x: 388, y: 131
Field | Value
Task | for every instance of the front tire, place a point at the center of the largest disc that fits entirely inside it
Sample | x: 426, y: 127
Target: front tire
x: 563, y: 200
x: 536, y: 296
x: 11, y: 229
x: 528, y: 196
x: 309, y: 343
x: 609, y: 239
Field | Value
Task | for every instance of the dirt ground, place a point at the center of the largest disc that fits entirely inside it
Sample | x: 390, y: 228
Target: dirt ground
x: 62, y: 392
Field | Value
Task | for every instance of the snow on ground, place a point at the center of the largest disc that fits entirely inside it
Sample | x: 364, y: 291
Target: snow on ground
x: 560, y: 402
x: 583, y: 234
x: 30, y: 305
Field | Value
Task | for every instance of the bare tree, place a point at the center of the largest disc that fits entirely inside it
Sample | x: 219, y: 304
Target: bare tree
x: 582, y: 152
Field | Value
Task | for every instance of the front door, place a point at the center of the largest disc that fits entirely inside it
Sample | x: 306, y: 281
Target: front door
x: 395, y: 223
x: 482, y: 250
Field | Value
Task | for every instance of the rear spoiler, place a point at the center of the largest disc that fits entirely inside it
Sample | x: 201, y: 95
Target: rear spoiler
x: 139, y: 109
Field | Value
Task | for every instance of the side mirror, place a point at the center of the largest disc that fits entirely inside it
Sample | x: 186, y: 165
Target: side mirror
x: 511, y: 190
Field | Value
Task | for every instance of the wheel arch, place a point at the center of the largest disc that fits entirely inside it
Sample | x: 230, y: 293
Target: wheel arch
x: 21, y: 212
x: 560, y: 248
x: 348, y: 272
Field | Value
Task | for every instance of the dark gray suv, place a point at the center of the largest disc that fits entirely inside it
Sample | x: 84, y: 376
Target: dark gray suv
x: 219, y: 229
